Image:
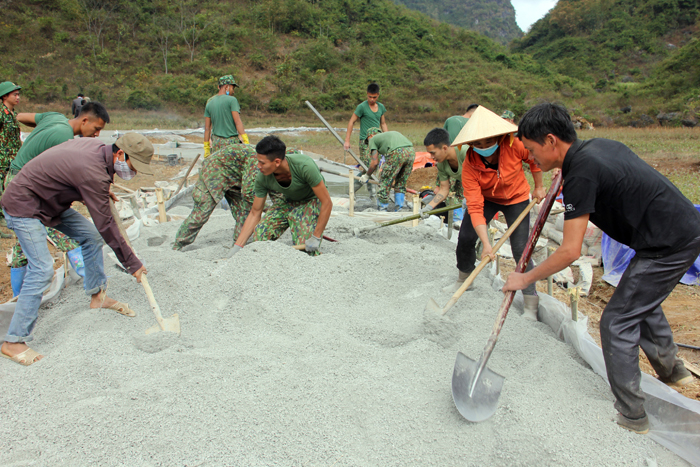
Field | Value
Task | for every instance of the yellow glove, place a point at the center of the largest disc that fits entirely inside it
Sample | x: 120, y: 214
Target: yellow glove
x: 244, y: 138
x: 207, y: 149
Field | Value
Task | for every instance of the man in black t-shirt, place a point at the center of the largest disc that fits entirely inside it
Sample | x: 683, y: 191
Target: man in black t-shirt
x: 606, y: 183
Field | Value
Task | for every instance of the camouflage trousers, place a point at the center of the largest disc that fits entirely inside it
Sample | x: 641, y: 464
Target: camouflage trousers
x: 61, y: 241
x: 397, y: 168
x: 204, y: 205
x: 364, y: 154
x: 217, y: 142
x: 299, y: 216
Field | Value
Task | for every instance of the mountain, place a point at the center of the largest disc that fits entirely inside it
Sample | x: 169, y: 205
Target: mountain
x: 492, y: 18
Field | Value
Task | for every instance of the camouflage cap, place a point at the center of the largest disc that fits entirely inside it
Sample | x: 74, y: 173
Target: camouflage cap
x: 228, y: 79
x: 508, y: 115
x: 372, y: 132
x: 8, y: 87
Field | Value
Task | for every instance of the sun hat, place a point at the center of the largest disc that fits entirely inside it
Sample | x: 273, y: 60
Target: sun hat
x: 227, y: 79
x: 139, y: 150
x: 483, y: 124
x: 7, y: 87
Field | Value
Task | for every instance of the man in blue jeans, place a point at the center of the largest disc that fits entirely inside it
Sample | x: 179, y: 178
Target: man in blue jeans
x: 41, y: 195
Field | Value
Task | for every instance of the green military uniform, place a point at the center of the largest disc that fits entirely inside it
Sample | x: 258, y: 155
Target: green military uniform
x: 453, y: 125
x: 10, y: 142
x: 297, y: 209
x: 51, y: 130
x: 218, y: 109
x: 399, y: 156
x: 445, y: 173
x: 229, y: 173
x: 368, y: 119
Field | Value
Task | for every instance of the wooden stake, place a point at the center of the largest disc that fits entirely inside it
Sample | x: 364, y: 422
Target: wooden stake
x: 128, y: 190
x: 351, y: 192
x: 416, y: 208
x: 574, y: 293
x: 162, y: 217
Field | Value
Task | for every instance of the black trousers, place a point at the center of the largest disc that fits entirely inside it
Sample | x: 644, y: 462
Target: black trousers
x: 634, y: 318
x: 466, y: 242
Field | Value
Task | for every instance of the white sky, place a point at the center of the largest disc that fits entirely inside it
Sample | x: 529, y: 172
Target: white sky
x: 529, y: 11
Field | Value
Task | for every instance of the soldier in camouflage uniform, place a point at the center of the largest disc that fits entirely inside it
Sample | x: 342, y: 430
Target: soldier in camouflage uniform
x: 222, y: 119
x: 304, y: 207
x: 399, y: 156
x: 229, y: 173
x: 449, y: 165
x: 10, y: 141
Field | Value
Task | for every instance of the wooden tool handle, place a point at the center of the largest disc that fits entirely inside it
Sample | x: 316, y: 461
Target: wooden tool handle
x: 118, y: 220
x: 184, y: 179
x: 486, y: 261
x: 152, y: 301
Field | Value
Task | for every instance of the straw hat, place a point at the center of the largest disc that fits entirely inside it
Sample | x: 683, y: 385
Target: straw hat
x: 483, y: 124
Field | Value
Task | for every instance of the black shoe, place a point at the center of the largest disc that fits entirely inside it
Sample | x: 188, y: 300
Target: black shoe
x: 638, y: 425
x: 679, y: 377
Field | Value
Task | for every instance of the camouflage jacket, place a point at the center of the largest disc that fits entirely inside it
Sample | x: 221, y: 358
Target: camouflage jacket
x: 9, y: 137
x: 234, y: 165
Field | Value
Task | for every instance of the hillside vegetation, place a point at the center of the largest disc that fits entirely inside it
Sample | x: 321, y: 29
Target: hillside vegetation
x: 643, y: 52
x: 492, y: 18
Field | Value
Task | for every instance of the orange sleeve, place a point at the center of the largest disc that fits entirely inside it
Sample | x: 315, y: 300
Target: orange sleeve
x: 472, y: 193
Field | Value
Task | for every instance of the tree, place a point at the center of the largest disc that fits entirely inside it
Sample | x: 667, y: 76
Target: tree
x: 164, y: 26
x: 192, y: 24
x: 95, y: 15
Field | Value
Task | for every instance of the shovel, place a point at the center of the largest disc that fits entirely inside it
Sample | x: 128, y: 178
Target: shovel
x: 475, y: 388
x: 357, y: 231
x: 171, y: 324
x: 432, y: 304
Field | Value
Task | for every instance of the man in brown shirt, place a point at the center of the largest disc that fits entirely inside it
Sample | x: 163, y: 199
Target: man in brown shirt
x: 41, y: 195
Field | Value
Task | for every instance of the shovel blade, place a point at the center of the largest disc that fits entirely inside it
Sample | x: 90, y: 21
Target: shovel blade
x: 483, y: 402
x: 433, y: 306
x: 171, y: 324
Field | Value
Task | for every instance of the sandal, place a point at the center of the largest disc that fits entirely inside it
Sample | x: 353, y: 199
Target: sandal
x: 25, y: 358
x: 119, y: 307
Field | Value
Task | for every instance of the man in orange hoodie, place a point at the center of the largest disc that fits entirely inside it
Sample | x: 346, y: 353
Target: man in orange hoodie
x: 494, y: 181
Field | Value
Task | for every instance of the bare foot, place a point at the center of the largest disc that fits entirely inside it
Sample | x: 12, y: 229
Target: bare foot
x: 15, y: 348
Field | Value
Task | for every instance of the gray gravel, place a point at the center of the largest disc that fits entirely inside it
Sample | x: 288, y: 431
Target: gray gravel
x: 290, y: 360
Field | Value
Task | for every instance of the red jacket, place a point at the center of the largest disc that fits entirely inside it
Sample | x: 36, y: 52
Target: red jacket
x: 505, y: 186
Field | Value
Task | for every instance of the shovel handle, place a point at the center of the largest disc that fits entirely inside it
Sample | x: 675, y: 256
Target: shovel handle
x: 409, y: 218
x: 152, y: 301
x: 486, y: 261
x: 522, y: 264
x: 184, y: 179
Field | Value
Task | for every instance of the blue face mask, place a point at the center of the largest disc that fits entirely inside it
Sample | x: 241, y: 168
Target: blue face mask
x: 486, y: 152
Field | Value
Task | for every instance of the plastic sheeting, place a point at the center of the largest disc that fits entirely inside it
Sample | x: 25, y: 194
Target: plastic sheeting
x: 617, y: 256
x: 674, y: 419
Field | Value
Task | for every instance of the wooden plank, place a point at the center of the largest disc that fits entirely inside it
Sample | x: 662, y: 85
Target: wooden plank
x: 691, y: 368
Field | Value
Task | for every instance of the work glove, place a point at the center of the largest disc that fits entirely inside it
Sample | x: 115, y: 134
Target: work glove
x: 364, y: 179
x: 234, y: 250
x: 424, y: 211
x: 207, y: 149
x: 312, y: 243
x: 244, y: 138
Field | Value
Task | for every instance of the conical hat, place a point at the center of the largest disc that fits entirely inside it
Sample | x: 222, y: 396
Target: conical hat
x: 483, y: 124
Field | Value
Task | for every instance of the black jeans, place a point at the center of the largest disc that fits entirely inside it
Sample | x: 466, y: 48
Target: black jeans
x: 466, y: 242
x: 633, y: 317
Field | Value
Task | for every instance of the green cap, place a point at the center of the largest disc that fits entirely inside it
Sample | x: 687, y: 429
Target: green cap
x: 228, y: 79
x: 508, y: 115
x: 139, y: 150
x: 7, y: 87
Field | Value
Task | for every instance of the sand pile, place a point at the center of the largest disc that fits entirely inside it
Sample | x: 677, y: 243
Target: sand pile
x: 290, y: 360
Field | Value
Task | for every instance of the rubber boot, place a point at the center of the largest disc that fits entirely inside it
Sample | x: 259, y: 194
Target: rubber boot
x: 530, y: 305
x: 372, y: 189
x: 458, y: 283
x: 399, y: 201
x: 382, y: 206
x: 457, y: 214
x: 16, y: 279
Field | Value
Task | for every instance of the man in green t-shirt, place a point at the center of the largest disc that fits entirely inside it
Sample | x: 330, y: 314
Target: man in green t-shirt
x: 51, y: 129
x: 229, y: 173
x: 399, y: 156
x: 222, y: 118
x: 371, y: 114
x: 304, y: 205
x: 449, y: 164
x: 454, y: 124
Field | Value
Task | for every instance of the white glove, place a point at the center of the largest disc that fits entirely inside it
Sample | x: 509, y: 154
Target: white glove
x: 312, y: 243
x: 424, y: 211
x: 234, y: 250
x: 364, y: 179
